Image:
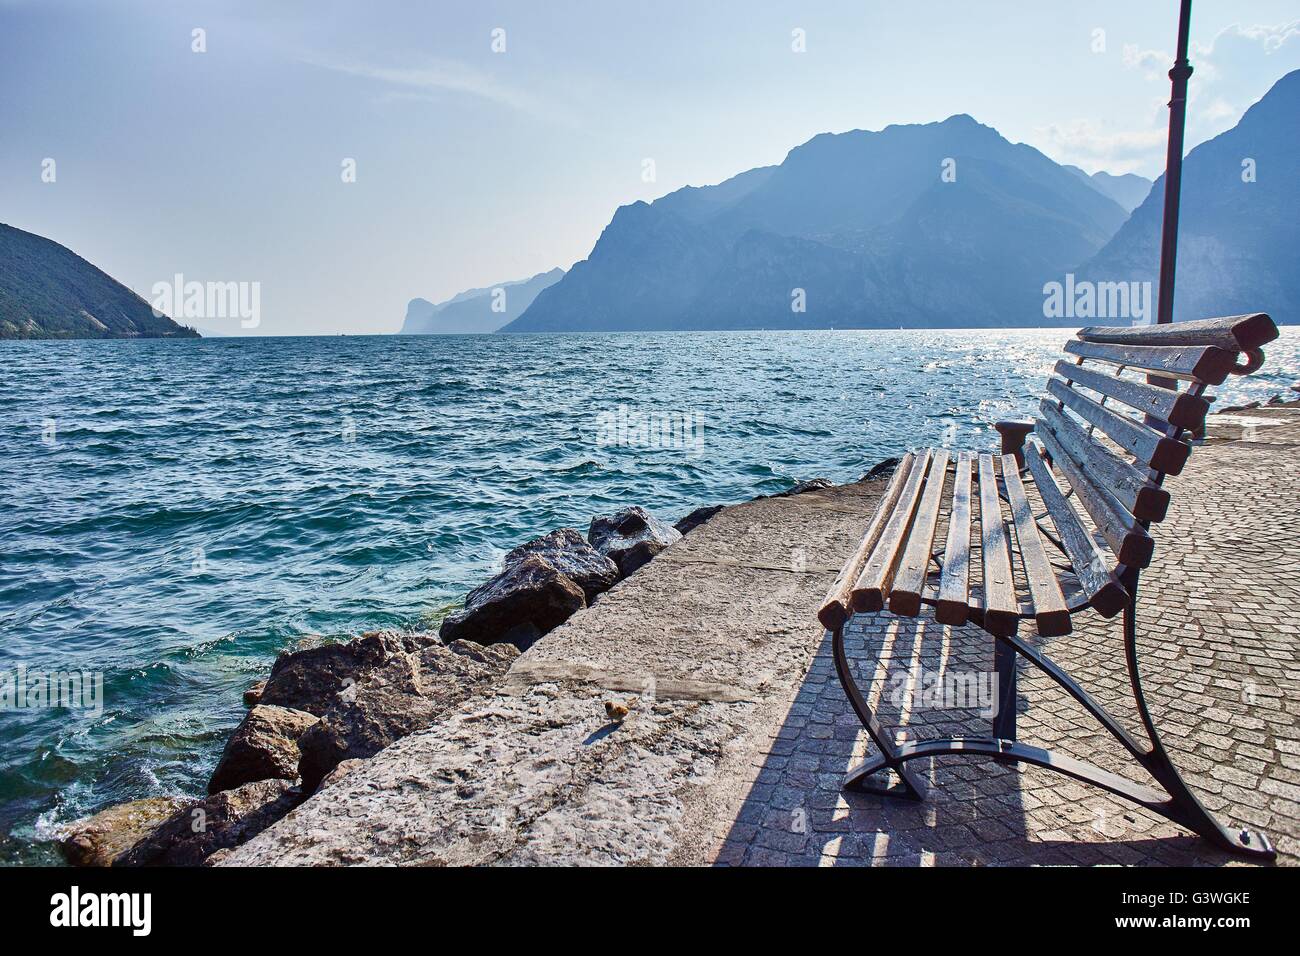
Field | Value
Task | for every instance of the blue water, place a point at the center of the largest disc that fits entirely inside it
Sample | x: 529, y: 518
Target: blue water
x: 176, y: 513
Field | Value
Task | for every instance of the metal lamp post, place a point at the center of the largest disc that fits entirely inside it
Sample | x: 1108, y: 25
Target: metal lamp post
x: 1181, y: 72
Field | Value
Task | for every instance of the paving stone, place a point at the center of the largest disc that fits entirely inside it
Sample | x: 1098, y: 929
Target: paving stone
x: 1221, y: 673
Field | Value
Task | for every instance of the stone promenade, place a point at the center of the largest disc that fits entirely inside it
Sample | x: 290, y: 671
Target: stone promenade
x: 739, y: 733
x: 1220, y: 646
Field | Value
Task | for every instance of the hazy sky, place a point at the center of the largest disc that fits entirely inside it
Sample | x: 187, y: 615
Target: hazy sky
x: 475, y: 167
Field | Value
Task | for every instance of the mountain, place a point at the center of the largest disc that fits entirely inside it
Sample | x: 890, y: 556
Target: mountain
x: 1237, y: 239
x: 1128, y: 190
x: 943, y: 224
x: 47, y: 291
x: 472, y: 311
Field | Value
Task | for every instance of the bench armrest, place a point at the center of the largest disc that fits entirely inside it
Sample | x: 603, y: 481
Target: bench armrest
x: 1013, y: 438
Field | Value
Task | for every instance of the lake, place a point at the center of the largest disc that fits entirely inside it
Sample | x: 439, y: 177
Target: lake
x: 178, y: 512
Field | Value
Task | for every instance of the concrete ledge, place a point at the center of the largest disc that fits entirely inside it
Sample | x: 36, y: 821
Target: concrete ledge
x: 738, y: 734
x: 707, y: 644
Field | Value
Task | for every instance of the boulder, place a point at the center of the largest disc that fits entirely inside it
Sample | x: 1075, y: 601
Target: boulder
x: 526, y: 600
x: 338, y: 773
x: 570, y: 554
x: 697, y: 518
x: 223, y: 820
x: 630, y: 537
x: 812, y: 484
x: 882, y: 469
x: 253, y: 695
x: 263, y: 747
x: 310, y: 679
x: 495, y: 657
x: 408, y: 693
x: 99, y: 839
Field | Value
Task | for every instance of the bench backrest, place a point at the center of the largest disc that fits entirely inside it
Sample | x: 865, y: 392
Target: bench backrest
x: 1112, y: 432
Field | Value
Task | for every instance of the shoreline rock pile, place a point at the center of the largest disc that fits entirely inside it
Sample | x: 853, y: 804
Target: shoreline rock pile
x: 326, y: 708
x: 549, y: 579
x: 322, y: 707
x: 1278, y: 400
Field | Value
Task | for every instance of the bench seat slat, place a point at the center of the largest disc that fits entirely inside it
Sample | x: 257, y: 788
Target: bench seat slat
x: 1001, y: 607
x: 1051, y: 613
x: 1128, y: 540
x: 1233, y: 333
x: 835, y: 608
x: 1103, y: 590
x: 953, y: 606
x: 1198, y: 363
x: 1132, y: 488
x: 1177, y: 408
x: 873, y: 584
x: 1143, y: 442
x: 909, y: 582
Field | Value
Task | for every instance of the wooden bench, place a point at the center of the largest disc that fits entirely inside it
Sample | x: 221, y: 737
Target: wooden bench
x: 1048, y: 528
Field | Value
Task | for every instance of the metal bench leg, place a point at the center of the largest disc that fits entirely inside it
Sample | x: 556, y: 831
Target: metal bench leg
x: 1174, y: 801
x: 1004, y: 665
x: 859, y: 778
x: 1182, y: 806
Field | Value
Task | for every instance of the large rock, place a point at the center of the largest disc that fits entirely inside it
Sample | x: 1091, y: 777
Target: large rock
x: 99, y: 839
x: 408, y: 693
x: 630, y: 537
x: 696, y: 518
x: 811, y: 484
x: 519, y: 605
x: 882, y: 469
x: 223, y: 820
x: 344, y: 768
x: 570, y: 554
x: 311, y: 679
x: 263, y: 747
x: 253, y: 695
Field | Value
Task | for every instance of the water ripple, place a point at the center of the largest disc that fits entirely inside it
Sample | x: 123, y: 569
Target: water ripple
x: 176, y: 513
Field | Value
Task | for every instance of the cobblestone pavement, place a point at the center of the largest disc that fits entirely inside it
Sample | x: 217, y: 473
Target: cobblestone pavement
x: 739, y: 734
x: 1219, y: 642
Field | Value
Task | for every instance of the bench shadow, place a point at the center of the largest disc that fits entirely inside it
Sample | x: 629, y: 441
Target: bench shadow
x: 600, y: 733
x: 976, y: 812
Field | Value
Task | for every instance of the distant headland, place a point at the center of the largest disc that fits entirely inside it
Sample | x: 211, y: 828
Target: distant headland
x: 47, y: 291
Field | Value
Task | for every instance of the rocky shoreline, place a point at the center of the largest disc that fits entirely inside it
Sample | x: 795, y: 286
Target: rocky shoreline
x: 327, y: 707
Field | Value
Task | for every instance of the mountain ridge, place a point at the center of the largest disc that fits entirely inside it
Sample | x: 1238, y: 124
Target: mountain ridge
x: 1127, y: 189
x: 47, y: 291
x: 845, y: 232
x: 472, y: 311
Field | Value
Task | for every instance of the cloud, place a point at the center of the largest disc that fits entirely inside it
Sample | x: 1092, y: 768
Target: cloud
x: 1095, y: 144
x: 1271, y: 38
x: 435, y: 78
x: 1232, y: 71
x: 1236, y: 69
x: 1155, y: 63
x: 1219, y: 110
